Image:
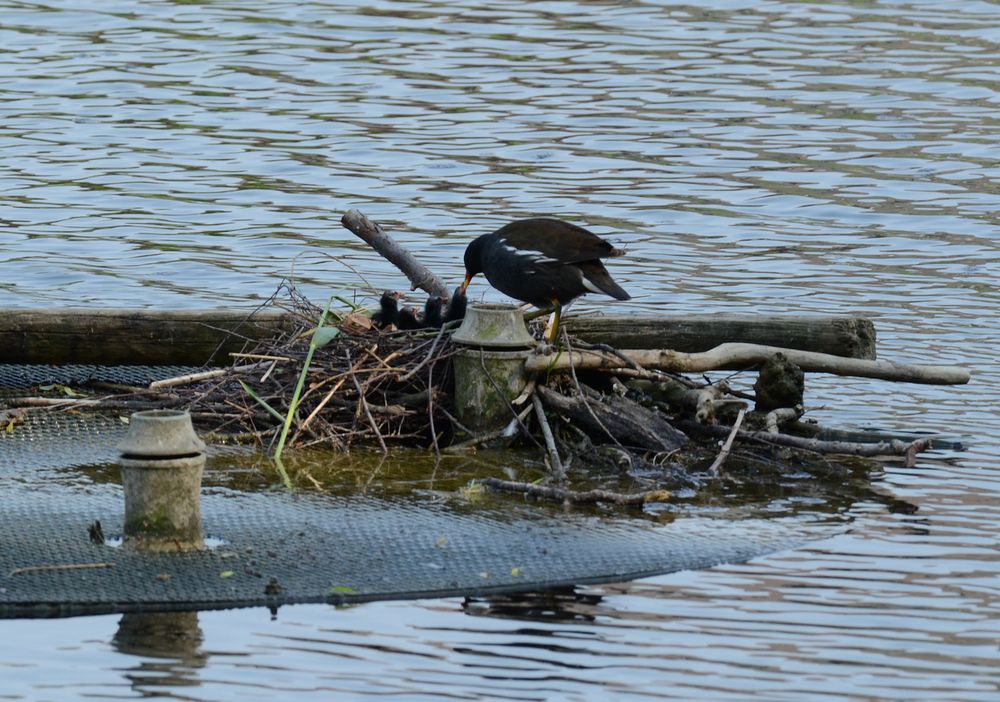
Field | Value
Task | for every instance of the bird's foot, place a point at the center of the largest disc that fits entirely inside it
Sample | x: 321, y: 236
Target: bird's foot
x: 546, y: 347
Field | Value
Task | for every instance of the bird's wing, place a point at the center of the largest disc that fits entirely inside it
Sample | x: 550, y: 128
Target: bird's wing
x: 553, y: 242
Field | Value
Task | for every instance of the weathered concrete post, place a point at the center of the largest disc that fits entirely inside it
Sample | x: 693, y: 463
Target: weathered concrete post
x: 162, y: 460
x: 489, y: 372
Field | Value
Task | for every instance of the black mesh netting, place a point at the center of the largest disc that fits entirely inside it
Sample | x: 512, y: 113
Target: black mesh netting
x: 282, y: 547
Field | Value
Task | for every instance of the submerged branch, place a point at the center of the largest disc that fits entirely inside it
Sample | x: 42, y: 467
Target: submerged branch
x: 562, y: 495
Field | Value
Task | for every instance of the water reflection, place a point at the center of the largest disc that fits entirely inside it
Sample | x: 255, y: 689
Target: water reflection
x: 168, y: 646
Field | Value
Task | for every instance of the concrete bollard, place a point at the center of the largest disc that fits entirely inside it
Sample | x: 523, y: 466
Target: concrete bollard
x: 162, y: 460
x: 489, y: 372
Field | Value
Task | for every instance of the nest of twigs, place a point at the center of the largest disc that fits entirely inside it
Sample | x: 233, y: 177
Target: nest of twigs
x: 360, y: 386
x: 364, y: 387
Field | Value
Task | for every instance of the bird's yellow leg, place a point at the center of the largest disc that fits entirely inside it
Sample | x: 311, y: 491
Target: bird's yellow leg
x: 554, y: 325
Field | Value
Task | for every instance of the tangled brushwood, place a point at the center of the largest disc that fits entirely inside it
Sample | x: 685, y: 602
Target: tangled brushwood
x: 349, y: 382
x: 363, y: 386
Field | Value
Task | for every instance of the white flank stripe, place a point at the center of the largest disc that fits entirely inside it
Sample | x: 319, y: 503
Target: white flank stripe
x: 591, y: 287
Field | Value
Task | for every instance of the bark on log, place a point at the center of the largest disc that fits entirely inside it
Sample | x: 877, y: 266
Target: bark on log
x: 372, y: 234
x: 851, y: 337
x: 746, y: 356
x: 628, y: 422
x: 133, y: 337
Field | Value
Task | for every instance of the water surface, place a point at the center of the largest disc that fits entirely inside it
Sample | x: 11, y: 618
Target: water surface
x: 810, y: 157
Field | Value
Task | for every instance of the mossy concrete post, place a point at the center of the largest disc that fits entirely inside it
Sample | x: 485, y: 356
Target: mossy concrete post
x: 489, y: 371
x: 162, y: 460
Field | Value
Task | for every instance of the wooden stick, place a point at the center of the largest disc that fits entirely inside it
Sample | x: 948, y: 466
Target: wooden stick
x: 782, y: 415
x: 726, y: 447
x: 892, y: 447
x: 204, y: 375
x: 427, y: 358
x: 372, y: 234
x: 60, y: 566
x: 743, y: 356
x: 563, y: 495
x: 363, y: 404
x: 509, y: 430
x: 550, y: 442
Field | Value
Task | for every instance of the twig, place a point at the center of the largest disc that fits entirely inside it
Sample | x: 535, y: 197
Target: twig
x: 261, y: 357
x: 550, y: 442
x: 726, y: 447
x: 529, y: 390
x: 203, y: 375
x: 892, y: 447
x: 427, y: 358
x: 573, y: 496
x: 430, y: 413
x: 363, y: 405
x: 480, y: 439
x: 776, y: 417
x: 583, y: 396
x: 65, y: 566
x: 54, y: 402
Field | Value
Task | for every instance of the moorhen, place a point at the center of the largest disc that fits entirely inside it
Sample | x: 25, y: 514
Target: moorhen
x: 408, y: 319
x: 543, y: 261
x: 456, y: 305
x: 388, y: 312
x: 434, y: 311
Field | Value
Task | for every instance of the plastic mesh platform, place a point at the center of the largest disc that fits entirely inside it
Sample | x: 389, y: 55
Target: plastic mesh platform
x: 322, y: 549
x: 28, y: 375
x: 278, y: 547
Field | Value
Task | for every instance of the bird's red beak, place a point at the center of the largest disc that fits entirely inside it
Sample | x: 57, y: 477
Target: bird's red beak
x: 465, y: 285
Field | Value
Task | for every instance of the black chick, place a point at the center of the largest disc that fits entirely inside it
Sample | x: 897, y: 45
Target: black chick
x: 456, y: 306
x: 434, y: 311
x: 408, y: 319
x: 388, y: 312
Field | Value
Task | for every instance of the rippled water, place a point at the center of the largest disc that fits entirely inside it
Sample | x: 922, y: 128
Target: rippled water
x: 813, y: 157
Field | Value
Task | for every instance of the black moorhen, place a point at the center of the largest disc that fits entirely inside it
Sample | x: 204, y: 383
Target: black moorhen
x: 388, y: 312
x: 434, y: 311
x: 543, y: 261
x: 408, y: 319
x: 456, y: 305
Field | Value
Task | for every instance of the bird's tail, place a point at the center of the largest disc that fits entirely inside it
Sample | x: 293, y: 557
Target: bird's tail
x: 597, y: 279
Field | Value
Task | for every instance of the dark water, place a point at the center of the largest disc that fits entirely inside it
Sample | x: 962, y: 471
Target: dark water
x: 812, y: 157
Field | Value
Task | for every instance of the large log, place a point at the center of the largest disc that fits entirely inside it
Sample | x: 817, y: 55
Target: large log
x: 851, y: 337
x: 626, y: 421
x: 133, y: 337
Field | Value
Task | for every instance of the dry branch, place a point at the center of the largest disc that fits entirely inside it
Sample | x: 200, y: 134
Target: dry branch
x: 371, y: 233
x: 727, y: 447
x: 743, y: 356
x: 550, y: 442
x: 892, y: 447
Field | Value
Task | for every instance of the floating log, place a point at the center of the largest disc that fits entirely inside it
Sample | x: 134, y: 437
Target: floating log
x: 851, y: 337
x: 134, y: 337
x: 747, y: 356
x: 198, y: 337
